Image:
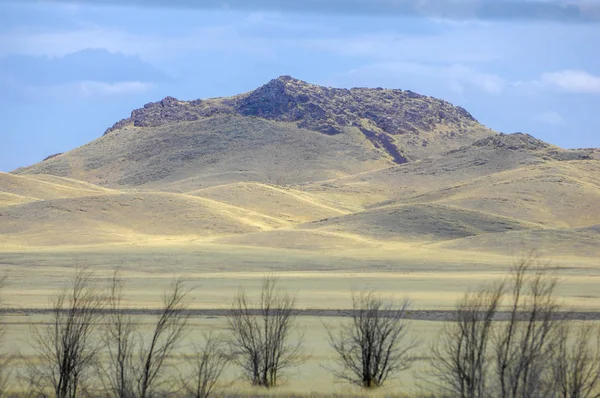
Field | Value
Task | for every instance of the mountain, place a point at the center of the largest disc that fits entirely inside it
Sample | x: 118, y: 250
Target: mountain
x: 295, y: 166
x: 284, y: 132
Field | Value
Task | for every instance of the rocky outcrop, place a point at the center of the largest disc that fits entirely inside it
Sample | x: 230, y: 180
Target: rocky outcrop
x: 515, y: 142
x: 380, y: 114
x: 52, y: 156
x: 526, y: 142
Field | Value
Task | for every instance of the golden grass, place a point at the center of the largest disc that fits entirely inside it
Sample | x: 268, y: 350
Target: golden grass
x: 279, y: 202
x: 311, y: 378
x: 41, y: 187
x: 431, y: 278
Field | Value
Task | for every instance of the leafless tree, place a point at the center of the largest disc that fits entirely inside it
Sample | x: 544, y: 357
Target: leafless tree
x: 375, y: 344
x: 576, y: 361
x: 167, y: 334
x: 477, y: 357
x: 260, y: 335
x: 6, y: 358
x: 120, y: 339
x: 67, y: 347
x: 206, y: 365
x: 137, y: 360
x: 522, y: 344
x: 460, y: 356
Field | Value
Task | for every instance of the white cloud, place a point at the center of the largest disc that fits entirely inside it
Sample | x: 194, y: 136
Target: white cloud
x: 457, y: 77
x: 462, y: 46
x: 550, y: 118
x: 81, y: 90
x: 466, y: 76
x: 574, y: 81
x: 568, y: 81
x: 89, y: 89
x: 148, y: 47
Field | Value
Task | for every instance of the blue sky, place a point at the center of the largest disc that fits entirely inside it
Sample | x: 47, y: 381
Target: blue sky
x: 70, y: 69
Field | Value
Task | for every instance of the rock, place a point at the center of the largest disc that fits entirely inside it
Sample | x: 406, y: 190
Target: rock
x: 52, y: 156
x: 323, y: 109
x: 515, y: 141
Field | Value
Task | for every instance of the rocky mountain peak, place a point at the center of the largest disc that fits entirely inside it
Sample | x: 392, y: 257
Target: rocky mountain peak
x: 384, y: 116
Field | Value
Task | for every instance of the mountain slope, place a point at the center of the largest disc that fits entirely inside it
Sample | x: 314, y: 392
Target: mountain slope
x: 297, y: 166
x: 285, y: 132
x: 419, y: 222
x: 403, y: 125
x: 446, y: 171
x: 283, y: 203
x: 556, y: 194
x: 218, y: 150
x: 28, y: 188
x: 125, y: 218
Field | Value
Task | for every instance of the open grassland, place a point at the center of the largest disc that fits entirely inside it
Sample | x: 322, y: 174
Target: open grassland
x: 431, y: 278
x: 312, y: 377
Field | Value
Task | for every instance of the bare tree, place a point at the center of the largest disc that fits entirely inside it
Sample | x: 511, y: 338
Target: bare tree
x: 375, y: 344
x: 460, y: 356
x: 522, y: 344
x: 67, y: 346
x: 207, y: 364
x: 260, y: 336
x: 520, y: 348
x: 120, y: 340
x: 576, y: 361
x: 167, y: 334
x: 5, y: 357
x: 136, y: 360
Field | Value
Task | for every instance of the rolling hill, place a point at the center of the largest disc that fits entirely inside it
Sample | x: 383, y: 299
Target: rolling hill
x: 308, y: 168
x: 284, y: 132
x: 118, y: 218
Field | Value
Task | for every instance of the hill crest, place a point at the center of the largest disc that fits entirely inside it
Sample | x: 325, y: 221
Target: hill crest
x: 392, y: 120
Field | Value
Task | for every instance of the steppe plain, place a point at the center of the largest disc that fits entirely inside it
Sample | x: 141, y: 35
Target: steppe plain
x: 334, y: 190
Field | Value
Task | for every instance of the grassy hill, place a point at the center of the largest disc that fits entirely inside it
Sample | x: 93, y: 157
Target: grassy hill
x: 294, y: 166
x: 30, y: 188
x: 285, y: 132
x: 219, y: 150
x: 125, y: 218
x: 280, y: 202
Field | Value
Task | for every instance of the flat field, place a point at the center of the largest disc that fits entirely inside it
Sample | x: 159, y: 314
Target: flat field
x: 431, y: 278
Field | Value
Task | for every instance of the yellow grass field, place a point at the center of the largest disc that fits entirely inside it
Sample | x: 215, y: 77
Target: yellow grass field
x: 431, y: 278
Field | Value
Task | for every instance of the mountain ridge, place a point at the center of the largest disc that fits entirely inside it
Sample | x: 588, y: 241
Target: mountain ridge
x: 382, y: 115
x: 298, y: 166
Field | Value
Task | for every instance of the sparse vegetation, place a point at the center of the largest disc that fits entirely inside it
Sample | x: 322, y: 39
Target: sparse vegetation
x: 206, y: 365
x: 68, y: 346
x: 460, y: 357
x: 261, y: 335
x: 508, y: 340
x: 529, y: 353
x: 375, y: 344
x: 137, y: 362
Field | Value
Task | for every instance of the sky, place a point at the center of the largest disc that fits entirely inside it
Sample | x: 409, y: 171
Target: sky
x: 71, y: 69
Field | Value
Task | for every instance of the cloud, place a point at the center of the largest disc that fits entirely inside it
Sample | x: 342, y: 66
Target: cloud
x: 148, y: 47
x: 415, y: 47
x: 77, y: 90
x: 81, y: 75
x: 566, y: 81
x: 550, y: 10
x: 88, y: 64
x: 550, y: 118
x: 487, y: 82
x: 87, y: 89
x: 455, y: 78
x: 573, y: 81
